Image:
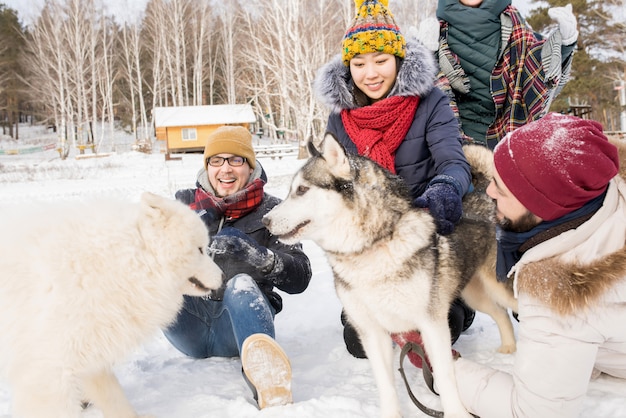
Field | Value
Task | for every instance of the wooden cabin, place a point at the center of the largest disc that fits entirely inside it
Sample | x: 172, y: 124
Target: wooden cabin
x: 186, y: 128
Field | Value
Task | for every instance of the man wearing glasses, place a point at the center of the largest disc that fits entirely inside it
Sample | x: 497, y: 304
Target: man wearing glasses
x: 239, y: 319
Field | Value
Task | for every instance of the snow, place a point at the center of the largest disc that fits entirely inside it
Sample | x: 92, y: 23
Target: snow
x: 158, y: 380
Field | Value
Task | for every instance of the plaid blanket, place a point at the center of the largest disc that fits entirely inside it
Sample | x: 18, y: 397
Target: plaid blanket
x: 523, y: 82
x: 518, y: 82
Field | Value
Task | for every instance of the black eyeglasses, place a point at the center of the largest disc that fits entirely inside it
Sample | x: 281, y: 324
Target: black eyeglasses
x: 234, y: 161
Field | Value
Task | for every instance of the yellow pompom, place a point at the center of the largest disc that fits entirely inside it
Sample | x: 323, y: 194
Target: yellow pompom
x: 372, y: 30
x: 359, y: 3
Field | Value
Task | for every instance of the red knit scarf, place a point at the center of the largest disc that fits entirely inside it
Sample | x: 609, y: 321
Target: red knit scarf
x: 233, y: 206
x: 378, y: 130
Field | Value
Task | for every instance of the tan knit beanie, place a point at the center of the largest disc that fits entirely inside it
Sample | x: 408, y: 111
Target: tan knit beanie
x: 235, y: 140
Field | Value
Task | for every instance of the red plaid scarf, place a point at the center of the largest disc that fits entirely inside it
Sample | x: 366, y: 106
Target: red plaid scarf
x: 233, y: 206
x: 518, y: 82
x: 378, y: 130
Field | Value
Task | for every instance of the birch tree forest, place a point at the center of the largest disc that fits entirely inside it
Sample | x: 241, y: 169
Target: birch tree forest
x: 82, y: 67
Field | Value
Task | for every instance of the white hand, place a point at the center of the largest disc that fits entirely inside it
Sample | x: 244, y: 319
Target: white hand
x: 567, y: 23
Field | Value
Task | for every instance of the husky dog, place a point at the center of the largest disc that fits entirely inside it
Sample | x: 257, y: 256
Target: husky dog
x: 81, y: 285
x: 393, y: 272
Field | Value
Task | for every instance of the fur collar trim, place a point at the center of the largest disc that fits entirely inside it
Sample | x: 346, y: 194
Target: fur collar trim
x: 570, y: 287
x: 333, y: 83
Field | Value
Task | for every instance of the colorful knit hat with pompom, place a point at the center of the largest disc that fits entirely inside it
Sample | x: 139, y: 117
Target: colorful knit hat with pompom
x: 372, y: 30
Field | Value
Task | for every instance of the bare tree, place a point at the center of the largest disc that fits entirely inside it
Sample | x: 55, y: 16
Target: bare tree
x: 78, y: 40
x: 201, y: 21
x: 228, y: 11
x: 48, y: 65
x: 4, y: 76
x: 133, y: 76
x: 286, y: 43
x: 106, y: 76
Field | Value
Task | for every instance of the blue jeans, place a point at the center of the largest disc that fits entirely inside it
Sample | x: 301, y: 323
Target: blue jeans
x: 208, y: 328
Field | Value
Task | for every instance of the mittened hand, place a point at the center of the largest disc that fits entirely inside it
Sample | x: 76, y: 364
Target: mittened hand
x: 233, y: 247
x: 567, y: 23
x: 444, y: 203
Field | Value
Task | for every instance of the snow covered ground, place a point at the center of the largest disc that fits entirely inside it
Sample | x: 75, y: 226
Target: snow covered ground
x: 327, y: 381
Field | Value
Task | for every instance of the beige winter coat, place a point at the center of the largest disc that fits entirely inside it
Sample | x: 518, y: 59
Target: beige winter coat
x: 571, y: 292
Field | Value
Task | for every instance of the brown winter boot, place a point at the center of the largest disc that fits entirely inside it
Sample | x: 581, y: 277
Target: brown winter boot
x: 267, y: 370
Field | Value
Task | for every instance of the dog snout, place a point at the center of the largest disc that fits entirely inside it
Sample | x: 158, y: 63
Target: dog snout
x: 218, y: 294
x: 266, y: 221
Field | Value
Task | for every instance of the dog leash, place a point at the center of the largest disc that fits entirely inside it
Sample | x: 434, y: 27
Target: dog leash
x: 428, y: 378
x: 426, y: 372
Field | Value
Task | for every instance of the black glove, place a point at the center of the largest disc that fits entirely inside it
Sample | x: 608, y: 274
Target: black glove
x: 235, y: 252
x: 443, y: 199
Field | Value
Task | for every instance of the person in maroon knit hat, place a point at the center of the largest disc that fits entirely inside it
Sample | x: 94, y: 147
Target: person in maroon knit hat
x: 561, y: 215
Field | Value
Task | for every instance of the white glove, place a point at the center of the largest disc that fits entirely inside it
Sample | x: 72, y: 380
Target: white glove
x: 567, y: 23
x: 428, y: 33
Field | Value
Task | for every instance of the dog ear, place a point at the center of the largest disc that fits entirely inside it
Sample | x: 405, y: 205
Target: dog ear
x: 153, y: 200
x: 313, y: 151
x: 335, y: 155
x: 159, y: 207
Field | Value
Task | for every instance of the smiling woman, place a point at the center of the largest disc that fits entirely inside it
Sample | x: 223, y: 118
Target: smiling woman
x: 374, y: 74
x: 380, y: 90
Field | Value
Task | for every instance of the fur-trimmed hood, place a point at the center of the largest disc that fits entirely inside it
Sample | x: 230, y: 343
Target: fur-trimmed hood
x: 333, y: 84
x: 568, y: 287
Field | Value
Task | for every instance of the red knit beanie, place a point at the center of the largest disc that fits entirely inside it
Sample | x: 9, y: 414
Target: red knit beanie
x: 556, y: 164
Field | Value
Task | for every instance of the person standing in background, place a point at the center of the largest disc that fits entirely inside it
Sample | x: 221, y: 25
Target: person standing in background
x: 499, y: 74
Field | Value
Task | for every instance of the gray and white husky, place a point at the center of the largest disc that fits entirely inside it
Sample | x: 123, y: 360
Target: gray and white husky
x: 393, y: 273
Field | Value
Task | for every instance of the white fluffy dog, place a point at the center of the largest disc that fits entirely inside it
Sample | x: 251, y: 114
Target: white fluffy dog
x: 81, y: 285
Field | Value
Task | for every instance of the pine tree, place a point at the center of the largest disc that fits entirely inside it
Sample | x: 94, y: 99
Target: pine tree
x: 11, y: 86
x: 597, y: 64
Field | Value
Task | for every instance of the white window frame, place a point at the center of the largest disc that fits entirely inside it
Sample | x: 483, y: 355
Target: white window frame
x: 189, y: 134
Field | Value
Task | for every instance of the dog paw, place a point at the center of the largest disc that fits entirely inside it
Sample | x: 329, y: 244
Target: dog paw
x: 507, y: 349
